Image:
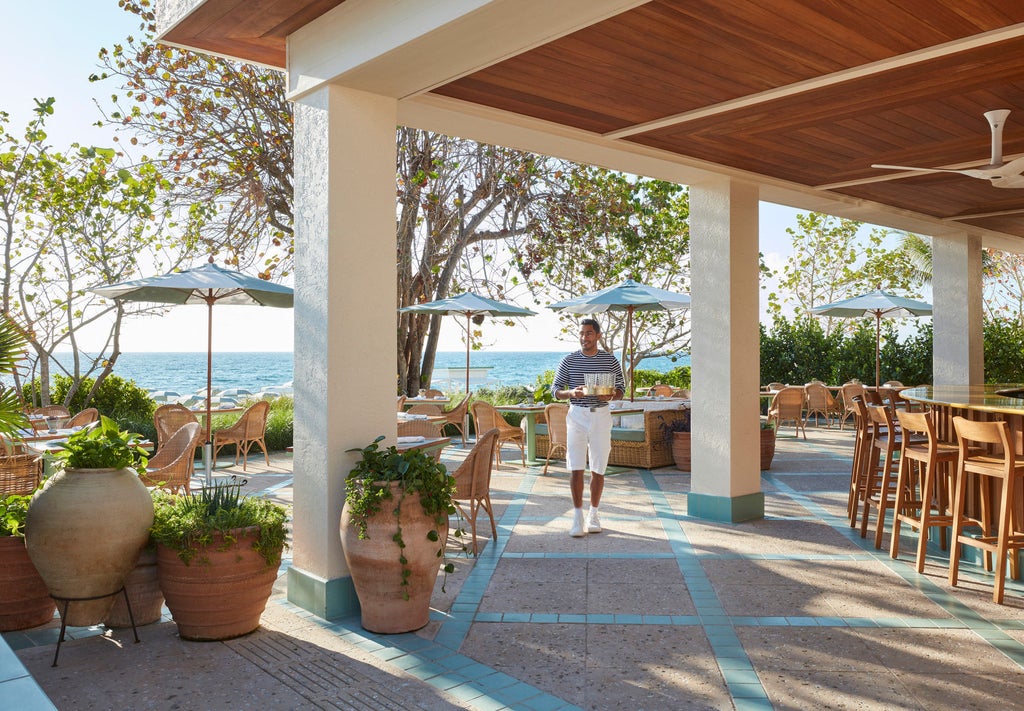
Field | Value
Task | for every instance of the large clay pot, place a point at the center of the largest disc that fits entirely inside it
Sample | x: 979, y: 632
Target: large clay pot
x: 84, y: 531
x: 681, y: 450
x: 377, y: 571
x: 24, y: 600
x: 222, y: 592
x: 143, y: 586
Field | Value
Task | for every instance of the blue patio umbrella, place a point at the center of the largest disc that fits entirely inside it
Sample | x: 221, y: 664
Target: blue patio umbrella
x: 469, y: 305
x: 878, y: 304
x: 207, y: 284
x: 629, y: 296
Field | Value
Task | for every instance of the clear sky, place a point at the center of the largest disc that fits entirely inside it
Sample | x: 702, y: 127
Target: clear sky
x: 50, y: 49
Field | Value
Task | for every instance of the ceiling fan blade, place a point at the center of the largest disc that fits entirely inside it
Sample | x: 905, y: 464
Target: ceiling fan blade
x: 922, y: 170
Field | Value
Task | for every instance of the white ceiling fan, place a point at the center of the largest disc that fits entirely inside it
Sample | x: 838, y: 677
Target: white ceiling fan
x: 1000, y: 174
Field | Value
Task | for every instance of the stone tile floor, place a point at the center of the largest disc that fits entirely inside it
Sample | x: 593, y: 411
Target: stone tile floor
x: 659, y: 611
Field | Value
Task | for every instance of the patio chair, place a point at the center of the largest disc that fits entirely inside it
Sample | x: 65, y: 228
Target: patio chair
x: 473, y: 482
x: 555, y: 414
x: 83, y: 418
x: 821, y: 402
x: 431, y: 392
x: 47, y: 411
x: 457, y: 416
x: 432, y: 410
x: 168, y: 419
x: 660, y: 391
x: 401, y: 402
x: 421, y: 428
x: 681, y: 393
x: 20, y: 472
x: 485, y: 417
x: 250, y: 430
x: 849, y: 391
x: 172, y: 466
x: 892, y: 384
x: 788, y: 406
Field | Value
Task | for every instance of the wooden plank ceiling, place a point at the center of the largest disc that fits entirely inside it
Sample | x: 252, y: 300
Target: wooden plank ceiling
x: 804, y: 91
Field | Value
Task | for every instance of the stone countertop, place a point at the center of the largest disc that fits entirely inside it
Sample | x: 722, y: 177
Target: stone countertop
x: 986, y: 398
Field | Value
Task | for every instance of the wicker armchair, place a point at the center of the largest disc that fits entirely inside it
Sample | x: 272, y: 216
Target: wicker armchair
x: 457, y: 415
x: 555, y: 414
x: 168, y: 419
x: 172, y: 466
x: 431, y: 392
x: 20, y: 472
x: 485, y: 417
x: 250, y: 429
x: 401, y: 402
x: 660, y: 391
x: 473, y: 482
x: 850, y: 390
x: 821, y: 402
x: 432, y: 410
x: 83, y: 418
x: 421, y: 428
x: 788, y: 406
x: 47, y: 411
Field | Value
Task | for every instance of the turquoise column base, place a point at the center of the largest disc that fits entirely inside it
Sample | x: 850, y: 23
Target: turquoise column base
x: 726, y: 509
x: 329, y: 599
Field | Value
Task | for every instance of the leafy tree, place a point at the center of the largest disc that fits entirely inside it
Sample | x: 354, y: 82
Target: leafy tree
x: 223, y: 132
x: 597, y: 227
x: 1004, y: 355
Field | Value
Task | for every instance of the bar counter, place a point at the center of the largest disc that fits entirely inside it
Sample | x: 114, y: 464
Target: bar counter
x: 981, y: 398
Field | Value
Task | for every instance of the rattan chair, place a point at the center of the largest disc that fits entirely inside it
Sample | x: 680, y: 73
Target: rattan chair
x: 473, y: 482
x: 431, y: 392
x: 850, y: 390
x: 250, y: 429
x: 168, y: 419
x: 420, y: 428
x: 681, y: 392
x: 555, y: 414
x: 401, y: 402
x: 776, y: 386
x: 172, y: 466
x: 20, y: 472
x: 47, y: 411
x: 432, y: 410
x: 83, y: 418
x: 660, y: 391
x: 788, y: 406
x: 821, y: 402
x: 457, y: 416
x: 485, y: 417
x: 892, y: 384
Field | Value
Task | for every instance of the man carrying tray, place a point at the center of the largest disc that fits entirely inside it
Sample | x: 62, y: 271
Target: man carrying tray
x: 589, y: 422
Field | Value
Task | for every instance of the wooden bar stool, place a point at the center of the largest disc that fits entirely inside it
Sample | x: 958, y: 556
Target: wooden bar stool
x: 1003, y: 468
x: 862, y: 448
x: 923, y: 485
x: 880, y: 487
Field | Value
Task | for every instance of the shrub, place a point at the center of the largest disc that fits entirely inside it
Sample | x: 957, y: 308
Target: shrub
x: 121, y: 400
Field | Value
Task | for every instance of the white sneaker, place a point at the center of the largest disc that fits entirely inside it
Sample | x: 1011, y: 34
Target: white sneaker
x: 577, y: 529
x: 593, y: 522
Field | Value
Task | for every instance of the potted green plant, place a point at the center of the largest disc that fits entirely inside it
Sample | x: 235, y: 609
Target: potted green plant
x: 394, y: 528
x: 24, y: 599
x: 767, y: 444
x: 677, y: 434
x: 87, y: 524
x: 218, y: 554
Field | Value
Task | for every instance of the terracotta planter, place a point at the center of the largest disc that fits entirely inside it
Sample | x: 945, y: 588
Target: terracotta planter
x: 681, y: 450
x: 767, y: 448
x: 84, y: 532
x: 222, y: 593
x: 376, y: 569
x: 143, y: 586
x: 24, y: 600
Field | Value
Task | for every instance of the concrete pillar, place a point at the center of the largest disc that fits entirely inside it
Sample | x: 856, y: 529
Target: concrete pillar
x: 725, y: 352
x: 345, y: 322
x: 959, y: 353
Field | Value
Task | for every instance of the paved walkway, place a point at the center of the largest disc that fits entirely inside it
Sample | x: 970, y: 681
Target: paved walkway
x: 659, y: 611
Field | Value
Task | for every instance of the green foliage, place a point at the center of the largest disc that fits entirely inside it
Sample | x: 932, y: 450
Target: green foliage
x: 678, y: 377
x: 368, y: 486
x: 1004, y: 357
x: 188, y: 523
x: 12, y: 345
x: 119, y: 399
x: 102, y: 447
x: 281, y: 423
x: 13, y: 512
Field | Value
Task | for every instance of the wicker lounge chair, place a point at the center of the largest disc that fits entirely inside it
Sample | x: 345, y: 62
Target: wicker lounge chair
x: 250, y: 430
x: 485, y: 417
x: 473, y: 482
x: 171, y: 468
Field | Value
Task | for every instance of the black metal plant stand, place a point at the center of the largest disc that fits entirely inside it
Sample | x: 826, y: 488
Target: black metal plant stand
x: 68, y: 600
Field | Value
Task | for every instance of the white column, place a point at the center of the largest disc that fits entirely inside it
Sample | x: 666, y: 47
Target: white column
x: 958, y: 356
x: 725, y: 352
x: 345, y: 321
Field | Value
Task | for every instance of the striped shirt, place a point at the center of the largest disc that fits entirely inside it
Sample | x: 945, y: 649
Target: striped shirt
x: 574, y: 366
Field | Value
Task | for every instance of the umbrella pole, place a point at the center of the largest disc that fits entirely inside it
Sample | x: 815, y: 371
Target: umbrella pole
x: 208, y: 445
x: 629, y: 340
x: 467, y: 350
x: 878, y: 340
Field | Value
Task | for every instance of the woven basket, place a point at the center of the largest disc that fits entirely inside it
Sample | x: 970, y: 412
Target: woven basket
x: 20, y: 473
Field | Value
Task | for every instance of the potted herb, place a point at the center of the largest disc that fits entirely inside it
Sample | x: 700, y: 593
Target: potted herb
x: 218, y: 554
x: 24, y: 598
x: 88, y: 523
x: 394, y: 528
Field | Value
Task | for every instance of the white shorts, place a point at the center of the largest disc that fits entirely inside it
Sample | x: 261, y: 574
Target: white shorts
x: 588, y: 430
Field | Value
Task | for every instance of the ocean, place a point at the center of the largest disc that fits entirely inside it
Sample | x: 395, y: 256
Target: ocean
x: 186, y: 372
